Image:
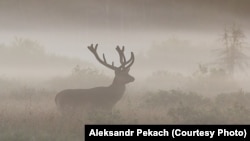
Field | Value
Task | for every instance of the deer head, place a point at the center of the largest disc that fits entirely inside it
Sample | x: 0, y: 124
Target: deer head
x: 121, y: 72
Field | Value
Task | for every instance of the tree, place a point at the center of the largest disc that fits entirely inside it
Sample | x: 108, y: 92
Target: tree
x: 27, y: 47
x: 232, y: 56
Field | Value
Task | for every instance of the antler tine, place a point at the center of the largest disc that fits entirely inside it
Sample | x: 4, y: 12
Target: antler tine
x: 104, y: 59
x: 95, y: 46
x: 123, y: 49
x: 121, y: 55
x: 103, y: 62
x: 123, y: 60
x: 130, y: 61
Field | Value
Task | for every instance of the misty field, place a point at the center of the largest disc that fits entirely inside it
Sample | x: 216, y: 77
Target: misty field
x: 28, y: 87
x: 182, y: 61
x: 30, y: 113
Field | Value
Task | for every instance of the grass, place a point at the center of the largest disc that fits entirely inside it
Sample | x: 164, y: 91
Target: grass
x: 28, y: 114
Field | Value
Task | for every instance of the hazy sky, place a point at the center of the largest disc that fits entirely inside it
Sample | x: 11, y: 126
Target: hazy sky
x: 117, y: 14
x: 68, y: 26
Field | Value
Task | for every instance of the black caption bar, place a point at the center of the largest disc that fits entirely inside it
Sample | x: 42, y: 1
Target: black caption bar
x: 167, y: 132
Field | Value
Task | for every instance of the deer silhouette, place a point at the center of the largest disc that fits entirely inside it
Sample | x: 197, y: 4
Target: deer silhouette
x: 99, y: 97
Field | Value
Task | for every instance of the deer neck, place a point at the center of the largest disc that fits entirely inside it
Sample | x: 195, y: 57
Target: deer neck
x: 118, y: 86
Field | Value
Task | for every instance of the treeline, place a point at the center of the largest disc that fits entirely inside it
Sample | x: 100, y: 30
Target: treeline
x: 26, y: 52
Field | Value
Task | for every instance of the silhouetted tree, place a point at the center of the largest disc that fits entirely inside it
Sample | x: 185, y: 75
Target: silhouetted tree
x: 232, y: 56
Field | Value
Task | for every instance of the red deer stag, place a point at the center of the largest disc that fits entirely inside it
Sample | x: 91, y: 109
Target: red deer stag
x: 99, y: 97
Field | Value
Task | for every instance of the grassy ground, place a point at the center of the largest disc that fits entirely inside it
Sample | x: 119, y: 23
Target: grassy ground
x: 31, y: 114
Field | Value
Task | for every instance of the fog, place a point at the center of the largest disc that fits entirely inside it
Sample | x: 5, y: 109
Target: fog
x: 67, y: 28
x: 179, y: 64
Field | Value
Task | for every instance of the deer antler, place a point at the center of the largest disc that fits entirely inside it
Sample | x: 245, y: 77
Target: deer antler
x: 104, y: 62
x: 123, y: 58
x: 130, y: 61
x: 121, y: 55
